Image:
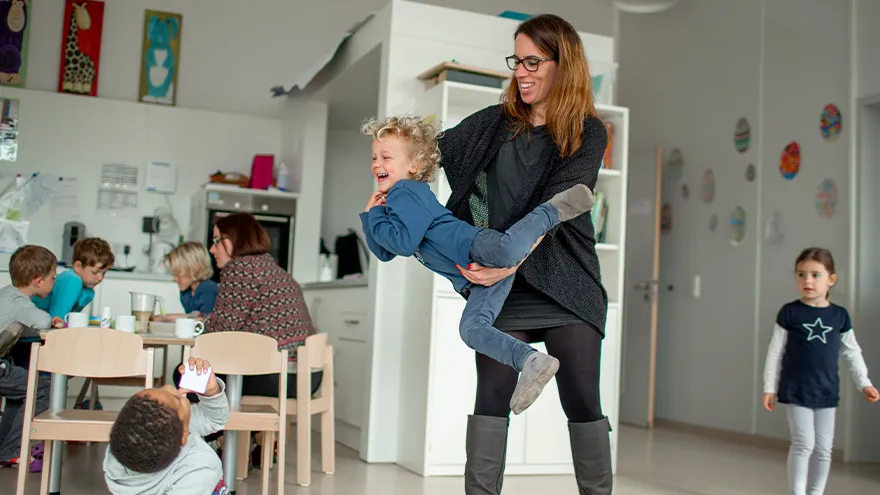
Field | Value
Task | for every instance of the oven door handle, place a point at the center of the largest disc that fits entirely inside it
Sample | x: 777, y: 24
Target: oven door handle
x: 261, y: 218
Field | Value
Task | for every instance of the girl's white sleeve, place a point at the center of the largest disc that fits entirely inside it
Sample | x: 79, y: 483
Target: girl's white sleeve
x: 853, y: 355
x: 773, y: 364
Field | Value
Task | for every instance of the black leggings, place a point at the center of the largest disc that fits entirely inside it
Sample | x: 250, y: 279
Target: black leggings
x: 578, y: 348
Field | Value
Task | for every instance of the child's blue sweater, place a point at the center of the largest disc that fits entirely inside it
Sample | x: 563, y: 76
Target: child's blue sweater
x: 414, y: 223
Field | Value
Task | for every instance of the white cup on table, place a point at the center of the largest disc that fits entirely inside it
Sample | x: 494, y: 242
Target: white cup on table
x: 187, y: 328
x: 125, y: 323
x: 77, y: 320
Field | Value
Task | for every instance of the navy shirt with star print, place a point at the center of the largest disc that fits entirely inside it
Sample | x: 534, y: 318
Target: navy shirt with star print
x: 809, y: 375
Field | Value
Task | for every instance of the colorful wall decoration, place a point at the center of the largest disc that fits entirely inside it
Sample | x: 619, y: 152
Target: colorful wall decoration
x: 830, y: 123
x: 665, y: 218
x: 790, y: 160
x: 674, y: 164
x: 737, y: 225
x: 750, y: 172
x: 81, y: 47
x: 742, y: 135
x: 160, y: 61
x: 14, y: 41
x: 826, y: 198
x: 707, y: 186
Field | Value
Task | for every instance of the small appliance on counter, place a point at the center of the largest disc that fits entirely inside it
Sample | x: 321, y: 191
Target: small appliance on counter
x: 73, y: 231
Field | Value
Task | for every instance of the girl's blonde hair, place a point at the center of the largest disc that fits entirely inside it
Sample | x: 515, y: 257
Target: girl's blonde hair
x: 421, y: 137
x: 190, y: 258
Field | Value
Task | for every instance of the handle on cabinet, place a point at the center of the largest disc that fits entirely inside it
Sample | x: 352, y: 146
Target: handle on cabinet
x: 351, y: 322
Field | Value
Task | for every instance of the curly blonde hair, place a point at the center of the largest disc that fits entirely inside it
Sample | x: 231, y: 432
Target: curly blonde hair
x: 420, y: 135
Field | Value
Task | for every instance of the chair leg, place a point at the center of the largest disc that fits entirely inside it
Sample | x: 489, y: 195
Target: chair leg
x: 244, y: 444
x: 282, y: 456
x: 47, y: 462
x: 303, y: 444
x: 266, y: 461
x: 328, y: 442
x: 93, y: 398
x: 23, y: 465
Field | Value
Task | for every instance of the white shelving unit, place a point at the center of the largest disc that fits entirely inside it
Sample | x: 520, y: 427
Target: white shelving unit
x: 538, y: 439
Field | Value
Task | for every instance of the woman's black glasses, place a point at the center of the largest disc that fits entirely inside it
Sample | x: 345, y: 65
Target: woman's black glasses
x: 530, y: 63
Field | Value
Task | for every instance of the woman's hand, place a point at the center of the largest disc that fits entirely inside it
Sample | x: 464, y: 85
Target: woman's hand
x: 376, y: 199
x: 488, y: 277
x: 871, y: 394
x: 769, y: 401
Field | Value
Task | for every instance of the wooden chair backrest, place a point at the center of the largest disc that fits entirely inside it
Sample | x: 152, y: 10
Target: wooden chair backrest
x: 315, y: 346
x: 240, y: 353
x: 95, y: 353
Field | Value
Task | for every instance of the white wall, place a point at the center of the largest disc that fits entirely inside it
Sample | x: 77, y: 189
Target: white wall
x: 867, y: 13
x: 232, y: 52
x: 69, y: 135
x: 687, y: 79
x: 344, y: 192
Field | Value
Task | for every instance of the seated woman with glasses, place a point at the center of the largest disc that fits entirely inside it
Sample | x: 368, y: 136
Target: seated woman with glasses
x: 256, y: 295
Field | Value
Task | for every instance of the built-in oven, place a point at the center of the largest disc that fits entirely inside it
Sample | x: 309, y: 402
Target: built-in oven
x: 275, y: 211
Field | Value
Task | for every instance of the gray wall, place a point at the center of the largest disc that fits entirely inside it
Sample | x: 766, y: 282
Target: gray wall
x: 688, y: 74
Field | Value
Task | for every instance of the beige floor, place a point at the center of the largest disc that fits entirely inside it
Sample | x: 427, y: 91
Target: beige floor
x: 662, y: 462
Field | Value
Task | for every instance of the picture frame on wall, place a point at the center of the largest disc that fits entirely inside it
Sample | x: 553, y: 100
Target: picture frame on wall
x: 81, y: 31
x: 14, y: 41
x: 160, y: 60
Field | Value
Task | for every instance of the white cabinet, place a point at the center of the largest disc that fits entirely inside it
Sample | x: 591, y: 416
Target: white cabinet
x: 343, y: 314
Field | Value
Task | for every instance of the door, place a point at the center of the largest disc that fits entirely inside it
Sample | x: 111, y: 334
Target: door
x: 641, y: 282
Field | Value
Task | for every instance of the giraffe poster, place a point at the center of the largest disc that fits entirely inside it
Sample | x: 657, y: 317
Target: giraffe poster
x: 160, y: 61
x: 14, y: 41
x: 81, y: 47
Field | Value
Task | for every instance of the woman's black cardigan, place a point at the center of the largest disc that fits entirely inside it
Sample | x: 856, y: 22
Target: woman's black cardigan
x: 564, y: 266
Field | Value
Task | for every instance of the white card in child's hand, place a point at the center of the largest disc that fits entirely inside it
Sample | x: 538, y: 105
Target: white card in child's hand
x: 191, y: 381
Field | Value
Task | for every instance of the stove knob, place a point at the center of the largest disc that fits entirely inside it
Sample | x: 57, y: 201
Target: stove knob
x: 265, y: 207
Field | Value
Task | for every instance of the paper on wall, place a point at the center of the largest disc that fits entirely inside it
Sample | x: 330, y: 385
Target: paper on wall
x: 65, y: 200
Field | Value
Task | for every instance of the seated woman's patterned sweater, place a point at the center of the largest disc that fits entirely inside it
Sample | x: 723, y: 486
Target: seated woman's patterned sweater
x: 256, y: 295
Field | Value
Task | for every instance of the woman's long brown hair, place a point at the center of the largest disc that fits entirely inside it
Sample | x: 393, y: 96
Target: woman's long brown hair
x: 571, y: 97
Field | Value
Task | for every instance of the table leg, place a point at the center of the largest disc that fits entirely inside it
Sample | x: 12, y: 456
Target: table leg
x: 230, y: 438
x: 57, y: 400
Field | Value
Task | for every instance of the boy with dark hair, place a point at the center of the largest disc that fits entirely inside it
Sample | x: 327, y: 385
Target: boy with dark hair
x: 32, y: 269
x: 156, y: 442
x: 75, y: 288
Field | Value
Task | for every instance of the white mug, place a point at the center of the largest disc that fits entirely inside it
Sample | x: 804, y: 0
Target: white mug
x: 125, y: 323
x: 77, y: 320
x: 187, y: 328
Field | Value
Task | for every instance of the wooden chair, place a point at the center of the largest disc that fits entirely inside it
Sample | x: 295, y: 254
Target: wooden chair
x: 243, y: 353
x: 91, y: 352
x: 315, y: 355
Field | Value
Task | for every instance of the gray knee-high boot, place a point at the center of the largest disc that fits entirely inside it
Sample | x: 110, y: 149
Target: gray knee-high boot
x: 486, y: 448
x: 591, y: 452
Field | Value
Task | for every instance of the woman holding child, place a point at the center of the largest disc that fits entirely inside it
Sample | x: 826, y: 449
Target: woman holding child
x: 501, y: 163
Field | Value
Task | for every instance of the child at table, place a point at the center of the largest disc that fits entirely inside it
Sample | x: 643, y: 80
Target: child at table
x: 190, y: 264
x: 156, y: 443
x: 75, y: 288
x: 32, y: 269
x: 404, y: 218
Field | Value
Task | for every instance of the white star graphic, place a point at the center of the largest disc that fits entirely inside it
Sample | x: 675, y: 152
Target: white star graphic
x: 820, y: 334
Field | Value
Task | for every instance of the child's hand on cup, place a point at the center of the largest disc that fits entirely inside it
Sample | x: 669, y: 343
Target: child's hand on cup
x: 57, y: 322
x: 201, y: 366
x: 871, y: 394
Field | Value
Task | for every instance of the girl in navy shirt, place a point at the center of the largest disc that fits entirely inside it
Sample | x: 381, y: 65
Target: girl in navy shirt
x: 190, y: 264
x: 801, y: 370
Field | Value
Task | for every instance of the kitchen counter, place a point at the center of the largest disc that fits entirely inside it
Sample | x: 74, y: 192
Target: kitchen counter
x: 157, y: 277
x: 337, y: 284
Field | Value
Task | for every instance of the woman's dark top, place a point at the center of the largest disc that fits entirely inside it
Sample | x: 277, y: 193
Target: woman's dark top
x: 560, y: 283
